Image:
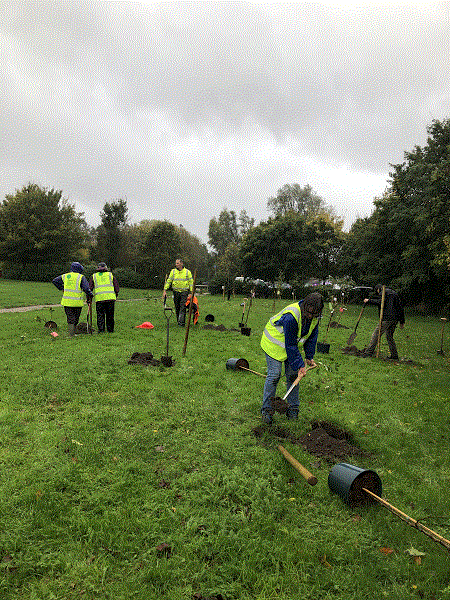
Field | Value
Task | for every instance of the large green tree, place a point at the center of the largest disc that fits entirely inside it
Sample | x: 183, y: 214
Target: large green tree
x: 291, y: 248
x: 161, y: 247
x: 292, y: 198
x: 403, y: 242
x: 38, y: 225
x: 110, y: 245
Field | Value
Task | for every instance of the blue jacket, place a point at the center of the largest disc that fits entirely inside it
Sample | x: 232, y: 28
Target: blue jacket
x: 291, y: 335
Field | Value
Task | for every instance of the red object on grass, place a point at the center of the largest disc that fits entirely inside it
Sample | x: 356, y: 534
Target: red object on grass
x: 146, y: 325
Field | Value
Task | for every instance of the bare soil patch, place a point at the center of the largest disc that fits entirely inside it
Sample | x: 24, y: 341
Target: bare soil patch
x: 325, y: 440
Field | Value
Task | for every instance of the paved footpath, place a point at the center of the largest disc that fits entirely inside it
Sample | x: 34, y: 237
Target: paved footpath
x: 41, y: 306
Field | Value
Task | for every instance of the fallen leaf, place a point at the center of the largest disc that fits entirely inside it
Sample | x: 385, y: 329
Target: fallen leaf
x: 323, y: 560
x: 417, y: 560
x: 413, y: 552
x: 159, y: 448
x: 164, y: 548
x: 386, y: 550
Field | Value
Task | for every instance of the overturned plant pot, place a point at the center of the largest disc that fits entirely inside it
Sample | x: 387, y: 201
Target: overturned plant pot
x: 234, y: 364
x: 323, y: 348
x: 167, y: 361
x: 349, y: 482
x: 51, y: 325
x: 245, y: 330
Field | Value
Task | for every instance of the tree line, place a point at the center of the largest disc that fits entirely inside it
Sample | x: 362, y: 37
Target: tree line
x: 404, y: 243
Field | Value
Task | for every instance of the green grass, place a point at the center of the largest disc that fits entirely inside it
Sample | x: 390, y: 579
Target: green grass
x: 101, y: 462
x: 24, y: 293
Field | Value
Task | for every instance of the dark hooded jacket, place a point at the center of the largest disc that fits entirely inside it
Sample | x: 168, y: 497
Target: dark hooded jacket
x: 75, y: 267
x: 393, y: 308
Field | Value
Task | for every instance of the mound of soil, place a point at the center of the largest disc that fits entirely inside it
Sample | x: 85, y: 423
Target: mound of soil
x: 352, y: 350
x: 325, y: 440
x: 218, y: 328
x: 278, y: 405
x: 143, y: 358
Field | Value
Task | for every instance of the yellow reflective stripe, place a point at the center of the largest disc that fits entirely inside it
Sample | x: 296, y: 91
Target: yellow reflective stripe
x: 273, y: 340
x: 104, y: 289
x: 303, y: 339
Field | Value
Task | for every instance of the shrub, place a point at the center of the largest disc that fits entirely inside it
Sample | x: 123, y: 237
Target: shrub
x: 131, y: 279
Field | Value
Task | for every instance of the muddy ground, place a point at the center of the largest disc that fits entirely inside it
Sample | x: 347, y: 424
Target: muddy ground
x: 218, y: 327
x: 324, y: 440
x: 354, y: 351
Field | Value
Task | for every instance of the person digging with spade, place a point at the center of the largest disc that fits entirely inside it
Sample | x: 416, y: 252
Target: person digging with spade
x: 393, y: 313
x: 280, y: 341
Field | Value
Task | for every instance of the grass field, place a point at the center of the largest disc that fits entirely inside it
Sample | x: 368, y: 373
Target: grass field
x: 121, y: 481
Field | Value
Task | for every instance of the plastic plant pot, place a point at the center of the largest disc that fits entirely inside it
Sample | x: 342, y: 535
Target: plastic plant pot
x: 235, y: 364
x: 349, y: 482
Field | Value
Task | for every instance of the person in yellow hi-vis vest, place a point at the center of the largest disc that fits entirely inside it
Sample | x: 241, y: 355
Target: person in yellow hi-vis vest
x: 181, y: 281
x: 106, y: 289
x: 295, y: 324
x: 73, y: 284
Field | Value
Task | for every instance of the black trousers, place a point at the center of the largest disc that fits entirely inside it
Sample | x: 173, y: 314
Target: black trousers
x: 73, y: 314
x: 179, y: 299
x: 105, y: 311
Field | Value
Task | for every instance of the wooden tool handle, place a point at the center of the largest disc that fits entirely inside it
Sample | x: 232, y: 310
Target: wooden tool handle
x: 255, y: 372
x: 300, y: 468
x: 429, y: 532
x: 296, y: 381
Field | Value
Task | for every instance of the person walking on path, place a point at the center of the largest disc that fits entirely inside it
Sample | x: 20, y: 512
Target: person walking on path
x: 181, y: 281
x: 393, y: 313
x: 106, y: 289
x: 73, y: 285
x: 280, y: 342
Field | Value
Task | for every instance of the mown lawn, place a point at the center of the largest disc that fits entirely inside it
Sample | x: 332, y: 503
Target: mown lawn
x: 123, y: 481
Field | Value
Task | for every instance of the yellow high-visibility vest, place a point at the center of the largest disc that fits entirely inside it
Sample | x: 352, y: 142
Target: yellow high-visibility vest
x: 180, y: 280
x: 103, y: 286
x: 72, y: 294
x: 272, y: 339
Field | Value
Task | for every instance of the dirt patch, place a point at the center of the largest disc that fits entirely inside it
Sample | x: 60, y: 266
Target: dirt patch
x: 143, y: 358
x: 352, y: 350
x: 278, y: 405
x: 83, y: 328
x: 325, y: 440
x: 218, y: 328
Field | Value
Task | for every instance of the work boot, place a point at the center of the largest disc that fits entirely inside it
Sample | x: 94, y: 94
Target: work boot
x: 266, y: 419
x: 71, y: 330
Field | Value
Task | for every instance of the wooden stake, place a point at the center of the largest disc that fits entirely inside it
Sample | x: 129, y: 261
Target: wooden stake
x: 190, y: 312
x: 310, y: 478
x: 381, y: 319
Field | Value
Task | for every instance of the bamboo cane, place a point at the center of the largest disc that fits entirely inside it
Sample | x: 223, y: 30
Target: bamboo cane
x: 429, y: 532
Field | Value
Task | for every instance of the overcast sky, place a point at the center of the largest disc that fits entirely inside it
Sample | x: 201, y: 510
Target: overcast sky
x: 186, y: 108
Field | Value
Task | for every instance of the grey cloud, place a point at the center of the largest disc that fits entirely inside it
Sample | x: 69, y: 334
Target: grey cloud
x: 81, y: 81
